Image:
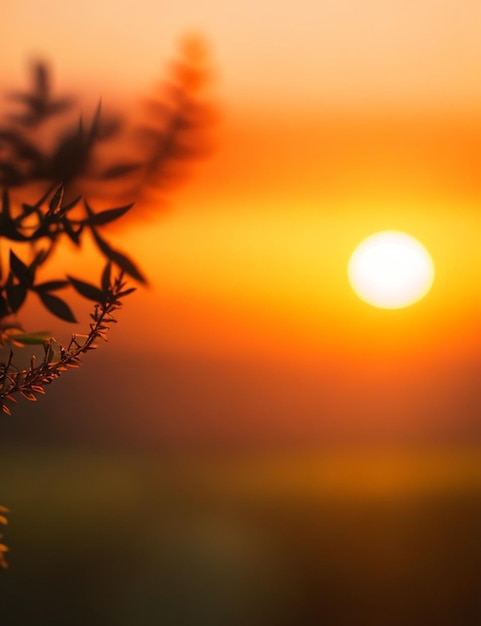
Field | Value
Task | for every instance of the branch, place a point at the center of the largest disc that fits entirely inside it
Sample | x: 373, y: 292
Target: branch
x: 29, y: 382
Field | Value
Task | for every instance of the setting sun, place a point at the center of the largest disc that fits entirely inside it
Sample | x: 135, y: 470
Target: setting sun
x: 391, y: 270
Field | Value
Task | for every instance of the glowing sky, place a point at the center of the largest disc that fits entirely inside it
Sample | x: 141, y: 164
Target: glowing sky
x: 339, y: 119
x: 282, y: 54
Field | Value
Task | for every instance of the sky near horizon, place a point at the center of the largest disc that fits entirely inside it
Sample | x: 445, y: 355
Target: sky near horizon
x: 338, y: 119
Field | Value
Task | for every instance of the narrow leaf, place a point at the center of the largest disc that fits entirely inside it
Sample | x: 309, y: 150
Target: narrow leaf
x: 91, y: 292
x: 72, y: 204
x: 28, y: 395
x: 106, y: 277
x: 104, y: 217
x: 118, y: 258
x: 74, y: 235
x: 56, y: 199
x: 126, y: 292
x: 16, y: 295
x: 127, y: 266
x: 6, y: 204
x: 102, y: 244
x: 53, y: 352
x: 51, y: 285
x: 18, y: 267
x: 32, y: 339
x: 57, y: 306
x: 70, y: 156
x: 39, y: 259
x: 38, y: 389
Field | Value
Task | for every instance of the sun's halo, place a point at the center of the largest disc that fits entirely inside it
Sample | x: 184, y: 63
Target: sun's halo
x: 391, y: 270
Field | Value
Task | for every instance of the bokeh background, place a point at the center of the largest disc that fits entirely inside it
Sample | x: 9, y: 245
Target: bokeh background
x: 255, y: 445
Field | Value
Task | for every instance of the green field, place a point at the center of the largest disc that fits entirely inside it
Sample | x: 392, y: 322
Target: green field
x: 354, y: 538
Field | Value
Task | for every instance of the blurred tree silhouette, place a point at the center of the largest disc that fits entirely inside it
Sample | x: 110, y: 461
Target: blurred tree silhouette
x: 41, y: 145
x: 49, y: 166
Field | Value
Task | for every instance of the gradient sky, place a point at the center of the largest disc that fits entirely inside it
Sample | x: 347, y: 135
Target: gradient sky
x: 338, y: 119
x: 305, y: 53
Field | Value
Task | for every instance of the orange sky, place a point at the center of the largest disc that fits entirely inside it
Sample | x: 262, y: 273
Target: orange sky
x: 339, y: 119
x: 307, y: 53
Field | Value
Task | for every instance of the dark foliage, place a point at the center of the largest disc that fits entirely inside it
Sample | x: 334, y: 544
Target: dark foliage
x: 47, y: 222
x: 83, y: 155
x: 67, y: 170
x: 64, y: 169
x: 29, y: 382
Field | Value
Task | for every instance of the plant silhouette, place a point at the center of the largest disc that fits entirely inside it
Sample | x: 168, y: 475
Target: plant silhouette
x: 78, y: 153
x: 52, y: 171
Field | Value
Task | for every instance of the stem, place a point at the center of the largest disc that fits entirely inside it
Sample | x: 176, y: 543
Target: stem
x: 28, y: 382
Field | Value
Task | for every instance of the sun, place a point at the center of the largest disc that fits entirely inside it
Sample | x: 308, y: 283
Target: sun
x: 391, y: 270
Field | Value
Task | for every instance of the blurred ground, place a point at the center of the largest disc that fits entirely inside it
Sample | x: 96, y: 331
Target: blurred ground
x: 337, y: 537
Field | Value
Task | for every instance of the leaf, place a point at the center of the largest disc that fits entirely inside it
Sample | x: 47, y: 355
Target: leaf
x: 70, y: 156
x: 119, y: 170
x: 28, y: 395
x: 118, y: 258
x: 57, y: 306
x: 32, y: 339
x: 6, y: 204
x: 126, y: 292
x: 18, y: 267
x: 56, y: 199
x: 27, y: 209
x: 70, y: 205
x: 40, y: 257
x: 16, y: 295
x: 79, y: 340
x: 73, y: 235
x: 91, y: 292
x: 127, y: 266
x: 4, y: 307
x: 53, y: 351
x: 51, y: 285
x: 106, y: 277
x: 74, y: 364
x: 39, y: 202
x: 104, y: 217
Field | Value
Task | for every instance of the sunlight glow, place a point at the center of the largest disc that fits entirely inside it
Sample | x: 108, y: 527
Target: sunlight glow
x: 391, y: 270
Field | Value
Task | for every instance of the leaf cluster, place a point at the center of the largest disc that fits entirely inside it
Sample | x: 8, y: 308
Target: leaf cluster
x: 45, y: 223
x: 70, y: 164
x: 30, y: 382
x: 87, y: 156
